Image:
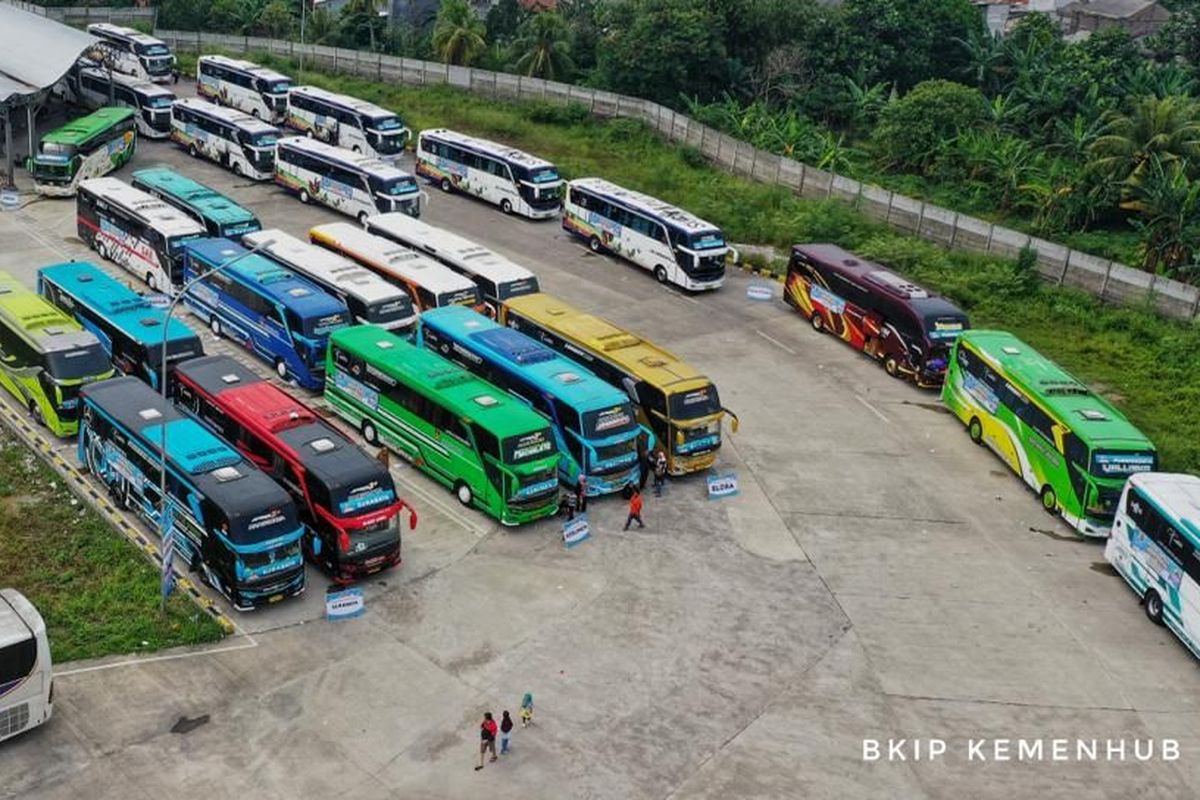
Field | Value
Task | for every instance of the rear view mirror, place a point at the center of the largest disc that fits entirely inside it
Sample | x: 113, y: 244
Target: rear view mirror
x: 734, y: 421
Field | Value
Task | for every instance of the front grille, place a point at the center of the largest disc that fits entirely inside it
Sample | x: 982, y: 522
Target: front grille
x: 14, y: 720
x: 275, y: 585
x: 532, y: 502
x: 612, y: 451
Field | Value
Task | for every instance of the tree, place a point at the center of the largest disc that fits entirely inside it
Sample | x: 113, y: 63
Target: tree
x: 581, y: 19
x: 913, y: 129
x: 459, y: 36
x: 1169, y: 205
x: 275, y: 20
x: 1166, y: 129
x: 361, y: 17
x: 235, y: 16
x: 504, y: 20
x: 320, y: 27
x: 542, y: 49
x: 185, y: 15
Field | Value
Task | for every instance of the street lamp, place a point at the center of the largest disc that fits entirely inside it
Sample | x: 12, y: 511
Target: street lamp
x: 162, y: 387
x: 303, y: 8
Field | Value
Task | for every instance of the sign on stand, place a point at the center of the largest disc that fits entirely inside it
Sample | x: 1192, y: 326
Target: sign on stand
x: 345, y: 604
x: 576, y: 531
x: 722, y: 485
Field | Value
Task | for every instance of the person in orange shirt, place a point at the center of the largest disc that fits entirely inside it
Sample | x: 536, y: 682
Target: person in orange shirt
x: 635, y: 508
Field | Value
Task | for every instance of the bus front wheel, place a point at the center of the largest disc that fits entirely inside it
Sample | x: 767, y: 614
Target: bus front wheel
x: 446, y: 185
x: 463, y: 493
x: 975, y: 431
x: 304, y: 198
x: 281, y: 369
x: 891, y: 366
x: 192, y: 151
x: 362, y: 218
x: 237, y: 168
x: 817, y: 321
x: 35, y: 411
x: 595, y: 245
x: 214, y: 325
x: 1154, y: 607
x: 150, y: 282
x: 660, y: 274
x: 369, y: 433
x: 506, y: 206
x: 1049, y: 500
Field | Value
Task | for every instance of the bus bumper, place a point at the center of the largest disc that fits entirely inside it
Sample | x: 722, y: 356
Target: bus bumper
x: 1095, y: 528
x: 54, y: 190
x: 524, y: 516
x: 684, y: 465
x: 257, y: 595
x: 701, y: 286
x: 351, y: 571
x: 612, y: 482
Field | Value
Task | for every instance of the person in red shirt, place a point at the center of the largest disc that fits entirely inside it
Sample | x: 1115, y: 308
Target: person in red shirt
x: 635, y: 508
x: 487, y: 739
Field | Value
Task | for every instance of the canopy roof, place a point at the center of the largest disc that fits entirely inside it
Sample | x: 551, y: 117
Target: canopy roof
x: 35, y: 53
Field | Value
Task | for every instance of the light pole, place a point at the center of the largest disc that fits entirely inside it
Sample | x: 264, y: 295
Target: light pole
x: 303, y: 8
x: 162, y: 387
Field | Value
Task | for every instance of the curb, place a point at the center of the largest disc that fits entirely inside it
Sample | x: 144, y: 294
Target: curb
x: 86, y: 491
x: 762, y: 272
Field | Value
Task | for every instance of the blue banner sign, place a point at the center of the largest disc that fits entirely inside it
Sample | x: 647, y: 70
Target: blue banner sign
x: 345, y: 604
x: 722, y: 485
x: 576, y: 531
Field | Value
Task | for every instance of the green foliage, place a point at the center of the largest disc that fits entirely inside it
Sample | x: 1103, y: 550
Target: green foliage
x: 97, y: 593
x: 557, y: 114
x: 542, y: 48
x: 912, y: 130
x: 459, y: 36
x: 504, y: 19
x: 906, y: 41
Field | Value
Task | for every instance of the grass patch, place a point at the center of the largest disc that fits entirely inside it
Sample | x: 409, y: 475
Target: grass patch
x: 1147, y: 365
x: 97, y: 594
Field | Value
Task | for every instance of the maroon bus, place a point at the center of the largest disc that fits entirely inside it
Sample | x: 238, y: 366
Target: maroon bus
x: 888, y: 317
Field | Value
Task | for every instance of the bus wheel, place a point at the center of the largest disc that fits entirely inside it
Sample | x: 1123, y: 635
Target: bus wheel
x: 192, y: 151
x: 975, y: 431
x: 214, y: 325
x: 237, y: 168
x: 1154, y: 607
x: 446, y: 185
x: 281, y: 369
x: 891, y: 367
x: 362, y: 218
x: 1049, y: 500
x: 35, y: 411
x: 506, y: 206
x: 818, y: 322
x: 463, y: 493
x: 356, y: 149
x: 254, y: 113
x: 660, y: 274
x: 150, y: 282
x: 369, y: 433
x: 304, y: 198
x: 595, y: 245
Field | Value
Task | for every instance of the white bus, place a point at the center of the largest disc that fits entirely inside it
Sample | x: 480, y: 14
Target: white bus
x: 137, y: 231
x: 89, y: 86
x: 26, y: 681
x: 133, y: 52
x: 676, y: 246
x: 244, y: 85
x: 1155, y: 546
x: 233, y: 139
x: 356, y: 185
x: 427, y: 282
x: 345, y: 121
x: 498, y: 278
x: 517, y: 182
x: 370, y: 298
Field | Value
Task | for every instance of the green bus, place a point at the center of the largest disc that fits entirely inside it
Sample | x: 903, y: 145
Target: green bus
x: 46, y: 357
x: 1069, y: 445
x: 88, y: 147
x: 496, y: 453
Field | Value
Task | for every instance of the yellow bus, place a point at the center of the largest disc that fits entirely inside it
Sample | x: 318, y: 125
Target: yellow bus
x: 679, y: 404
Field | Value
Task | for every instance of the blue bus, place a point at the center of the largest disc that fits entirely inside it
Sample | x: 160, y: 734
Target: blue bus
x: 127, y: 325
x: 233, y: 524
x: 219, y: 215
x: 594, y: 423
x: 268, y: 309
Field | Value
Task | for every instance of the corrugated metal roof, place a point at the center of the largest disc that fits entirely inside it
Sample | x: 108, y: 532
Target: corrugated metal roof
x: 35, y: 52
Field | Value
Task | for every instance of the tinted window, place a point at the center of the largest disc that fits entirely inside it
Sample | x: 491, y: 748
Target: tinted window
x: 17, y: 660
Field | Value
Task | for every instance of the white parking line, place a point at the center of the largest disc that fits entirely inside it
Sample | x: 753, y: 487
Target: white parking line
x: 873, y: 409
x: 133, y: 662
x: 776, y: 342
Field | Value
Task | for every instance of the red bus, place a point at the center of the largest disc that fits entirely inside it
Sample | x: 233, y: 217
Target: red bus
x: 347, y: 499
x: 906, y: 328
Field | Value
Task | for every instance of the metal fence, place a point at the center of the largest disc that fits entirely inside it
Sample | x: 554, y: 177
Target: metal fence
x: 1056, y: 263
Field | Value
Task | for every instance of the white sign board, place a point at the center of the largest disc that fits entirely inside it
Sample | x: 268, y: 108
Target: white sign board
x: 722, y: 485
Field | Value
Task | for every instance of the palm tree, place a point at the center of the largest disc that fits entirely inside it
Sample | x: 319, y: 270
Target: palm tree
x: 458, y: 34
x: 543, y: 47
x: 320, y: 26
x: 368, y: 13
x: 1167, y: 129
x: 864, y: 101
x: 1169, y: 204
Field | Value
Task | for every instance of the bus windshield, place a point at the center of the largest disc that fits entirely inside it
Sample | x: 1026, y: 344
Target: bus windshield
x: 703, y: 240
x: 69, y: 365
x: 388, y: 123
x: 56, y: 151
x: 278, y: 87
x: 253, y: 528
x: 1117, y: 464
x: 608, y: 422
x: 175, y: 243
x: 177, y: 350
x: 944, y: 327
x: 468, y: 297
x: 354, y: 500
x: 159, y: 101
x: 390, y: 310
x: 543, y: 175
x: 153, y: 50
x: 517, y: 288
x: 315, y: 326
x: 394, y: 187
x: 263, y: 139
x: 528, y: 447
x: 695, y: 403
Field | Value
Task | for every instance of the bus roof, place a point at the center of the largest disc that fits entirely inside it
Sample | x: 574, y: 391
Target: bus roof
x: 341, y: 155
x: 166, y: 218
x: 444, y: 245
x: 653, y: 364
x: 272, y: 413
x: 250, y: 124
x: 545, y: 368
x: 353, y: 103
x: 1086, y: 413
x: 80, y: 130
x: 327, y: 265
x: 116, y: 302
x: 258, y: 71
x: 146, y: 87
x: 390, y: 257
x: 645, y: 203
x: 206, y: 201
x: 19, y: 620
x: 132, y: 34
x: 276, y: 281
x: 1175, y: 494
x: 488, y: 147
x: 460, y: 391
x: 38, y: 321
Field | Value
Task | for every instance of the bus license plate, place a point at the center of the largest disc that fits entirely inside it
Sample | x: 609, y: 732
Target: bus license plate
x: 275, y: 598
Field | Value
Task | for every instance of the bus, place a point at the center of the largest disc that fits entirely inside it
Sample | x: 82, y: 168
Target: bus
x: 141, y: 234
x: 517, y: 182
x: 368, y: 297
x: 230, y: 522
x: 233, y: 139
x: 595, y: 425
x: 46, y: 357
x: 678, y: 404
x: 494, y: 452
x: 85, y: 148
x: 91, y: 87
x: 676, y: 246
x: 347, y: 499
x: 129, y: 328
x: 1155, y: 547
x: 26, y: 674
x: 498, y: 278
x: 907, y: 329
x: 347, y: 122
x: 1072, y: 447
x: 357, y: 186
x: 133, y: 52
x: 427, y: 282
x: 271, y: 311
x: 244, y: 85
x: 219, y: 215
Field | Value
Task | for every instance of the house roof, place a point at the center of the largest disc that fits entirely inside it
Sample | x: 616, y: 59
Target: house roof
x: 35, y: 53
x: 1110, y: 9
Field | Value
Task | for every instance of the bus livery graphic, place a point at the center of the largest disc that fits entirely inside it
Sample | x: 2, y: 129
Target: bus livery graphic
x: 88, y: 147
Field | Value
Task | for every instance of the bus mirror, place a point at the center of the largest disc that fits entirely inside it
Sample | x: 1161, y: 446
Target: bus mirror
x: 412, y: 519
x: 678, y: 437
x: 734, y: 422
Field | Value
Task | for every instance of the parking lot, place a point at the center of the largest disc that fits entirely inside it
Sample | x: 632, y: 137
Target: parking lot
x: 878, y: 576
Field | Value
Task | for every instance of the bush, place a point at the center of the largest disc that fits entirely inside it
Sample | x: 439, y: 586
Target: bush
x: 913, y: 129
x: 557, y: 114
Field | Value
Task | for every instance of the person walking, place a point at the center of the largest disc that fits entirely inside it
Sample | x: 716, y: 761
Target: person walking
x: 527, y: 710
x: 645, y: 461
x: 660, y: 472
x: 581, y: 493
x: 487, y: 739
x: 506, y: 726
x: 635, y: 509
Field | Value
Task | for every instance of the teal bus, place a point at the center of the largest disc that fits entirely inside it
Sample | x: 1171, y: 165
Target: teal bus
x: 594, y: 423
x: 1066, y: 442
x: 88, y: 147
x: 494, y: 452
x: 219, y: 215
